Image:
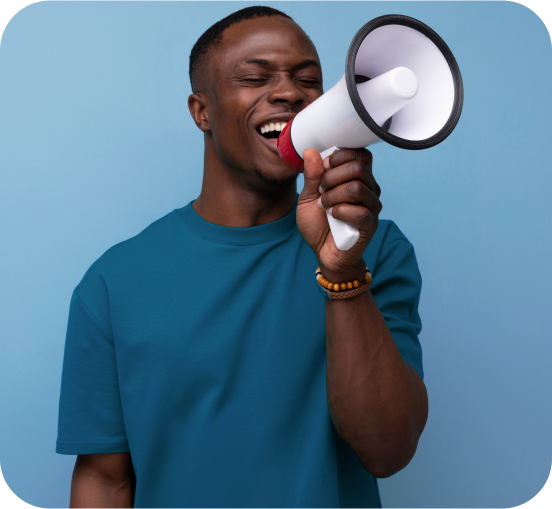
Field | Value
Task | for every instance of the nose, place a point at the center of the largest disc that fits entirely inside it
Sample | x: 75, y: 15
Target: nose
x: 287, y: 91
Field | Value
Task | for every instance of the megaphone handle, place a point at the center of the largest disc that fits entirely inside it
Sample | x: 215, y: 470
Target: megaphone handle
x: 345, y: 234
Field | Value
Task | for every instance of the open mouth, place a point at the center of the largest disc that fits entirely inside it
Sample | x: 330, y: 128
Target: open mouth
x: 272, y: 130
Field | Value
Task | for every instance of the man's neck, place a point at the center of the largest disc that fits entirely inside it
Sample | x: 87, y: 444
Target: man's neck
x: 244, y: 208
x: 227, y: 199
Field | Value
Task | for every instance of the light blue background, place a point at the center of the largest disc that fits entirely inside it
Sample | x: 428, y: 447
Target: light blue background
x: 96, y: 143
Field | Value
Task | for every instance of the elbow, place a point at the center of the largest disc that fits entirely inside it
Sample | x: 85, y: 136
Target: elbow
x: 382, y: 469
x: 384, y: 464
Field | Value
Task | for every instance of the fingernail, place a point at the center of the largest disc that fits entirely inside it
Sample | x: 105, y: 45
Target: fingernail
x: 326, y: 163
x: 330, y: 211
x: 319, y: 203
x: 320, y: 190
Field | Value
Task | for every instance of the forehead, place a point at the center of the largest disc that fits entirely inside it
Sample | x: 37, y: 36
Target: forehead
x: 275, y: 38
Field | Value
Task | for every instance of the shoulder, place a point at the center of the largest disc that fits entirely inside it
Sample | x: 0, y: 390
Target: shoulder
x: 125, y: 258
x: 388, y: 232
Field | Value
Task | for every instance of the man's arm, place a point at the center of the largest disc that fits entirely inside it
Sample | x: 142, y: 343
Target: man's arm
x: 377, y: 402
x: 103, y: 480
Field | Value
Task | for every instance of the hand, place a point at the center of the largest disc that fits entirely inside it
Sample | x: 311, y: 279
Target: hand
x: 352, y: 194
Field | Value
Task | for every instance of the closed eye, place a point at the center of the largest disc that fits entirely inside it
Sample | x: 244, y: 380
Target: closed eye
x: 311, y: 82
x: 252, y: 81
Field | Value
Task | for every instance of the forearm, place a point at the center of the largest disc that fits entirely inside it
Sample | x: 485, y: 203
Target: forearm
x: 377, y: 402
x: 94, y: 493
x: 92, y: 488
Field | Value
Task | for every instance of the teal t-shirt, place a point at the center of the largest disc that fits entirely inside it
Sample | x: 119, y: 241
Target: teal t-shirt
x: 201, y: 350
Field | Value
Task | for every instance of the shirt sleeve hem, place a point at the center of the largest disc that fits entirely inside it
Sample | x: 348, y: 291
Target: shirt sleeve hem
x: 415, y: 367
x: 86, y: 447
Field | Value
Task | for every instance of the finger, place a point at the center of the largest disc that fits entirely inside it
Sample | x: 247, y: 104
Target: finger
x: 313, y: 172
x: 355, y: 193
x: 346, y: 155
x: 355, y: 214
x: 353, y: 170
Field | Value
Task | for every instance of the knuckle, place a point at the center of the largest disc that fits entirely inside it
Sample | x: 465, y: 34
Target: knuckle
x: 363, y: 155
x: 355, y: 190
x: 364, y: 216
x: 356, y: 169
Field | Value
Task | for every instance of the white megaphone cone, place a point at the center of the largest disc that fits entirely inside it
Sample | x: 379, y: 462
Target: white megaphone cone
x: 401, y: 85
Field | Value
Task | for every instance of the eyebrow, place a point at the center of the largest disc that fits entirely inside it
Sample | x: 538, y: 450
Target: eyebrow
x: 301, y: 65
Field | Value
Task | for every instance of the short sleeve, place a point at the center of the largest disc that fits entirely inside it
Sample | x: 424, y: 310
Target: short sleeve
x: 90, y: 413
x: 396, y: 287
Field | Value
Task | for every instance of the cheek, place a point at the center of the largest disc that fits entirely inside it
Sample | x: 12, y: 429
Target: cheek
x: 230, y: 124
x: 230, y: 134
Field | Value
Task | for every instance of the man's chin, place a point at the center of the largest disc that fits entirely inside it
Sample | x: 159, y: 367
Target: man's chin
x: 276, y: 180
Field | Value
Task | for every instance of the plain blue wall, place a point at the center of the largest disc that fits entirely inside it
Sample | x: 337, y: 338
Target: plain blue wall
x: 96, y: 143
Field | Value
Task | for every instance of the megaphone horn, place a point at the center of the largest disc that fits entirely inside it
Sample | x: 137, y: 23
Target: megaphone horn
x: 401, y: 85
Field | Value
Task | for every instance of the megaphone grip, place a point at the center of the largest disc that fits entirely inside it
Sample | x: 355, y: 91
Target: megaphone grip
x: 345, y: 234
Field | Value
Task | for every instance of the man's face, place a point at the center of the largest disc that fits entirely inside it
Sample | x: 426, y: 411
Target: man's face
x: 265, y: 71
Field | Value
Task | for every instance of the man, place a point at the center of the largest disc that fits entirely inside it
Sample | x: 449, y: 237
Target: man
x: 202, y: 367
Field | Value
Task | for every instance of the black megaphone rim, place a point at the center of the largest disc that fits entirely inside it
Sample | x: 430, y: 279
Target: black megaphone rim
x: 358, y: 39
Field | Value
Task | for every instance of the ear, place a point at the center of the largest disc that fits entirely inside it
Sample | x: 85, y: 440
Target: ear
x: 197, y: 104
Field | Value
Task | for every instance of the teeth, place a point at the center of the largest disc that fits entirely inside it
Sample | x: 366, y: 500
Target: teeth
x: 273, y: 126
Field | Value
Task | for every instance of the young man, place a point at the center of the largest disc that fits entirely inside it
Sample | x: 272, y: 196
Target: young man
x: 202, y: 367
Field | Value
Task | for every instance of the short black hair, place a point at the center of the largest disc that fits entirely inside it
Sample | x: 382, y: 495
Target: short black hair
x: 213, y: 36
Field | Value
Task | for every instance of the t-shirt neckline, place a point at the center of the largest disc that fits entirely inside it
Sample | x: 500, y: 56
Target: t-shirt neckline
x: 238, y: 236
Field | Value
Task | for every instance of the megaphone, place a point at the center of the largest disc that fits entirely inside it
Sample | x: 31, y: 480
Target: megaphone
x: 401, y: 85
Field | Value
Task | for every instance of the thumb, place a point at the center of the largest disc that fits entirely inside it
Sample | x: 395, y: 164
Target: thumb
x: 313, y: 173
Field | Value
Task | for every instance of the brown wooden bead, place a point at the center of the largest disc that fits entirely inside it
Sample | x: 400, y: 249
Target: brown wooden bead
x: 337, y: 287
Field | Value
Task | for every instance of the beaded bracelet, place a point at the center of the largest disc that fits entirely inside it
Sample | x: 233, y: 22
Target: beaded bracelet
x: 340, y: 291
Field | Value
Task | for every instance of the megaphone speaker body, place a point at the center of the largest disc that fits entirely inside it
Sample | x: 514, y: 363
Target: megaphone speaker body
x: 401, y: 85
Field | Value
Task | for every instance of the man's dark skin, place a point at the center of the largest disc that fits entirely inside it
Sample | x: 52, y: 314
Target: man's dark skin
x: 268, y: 70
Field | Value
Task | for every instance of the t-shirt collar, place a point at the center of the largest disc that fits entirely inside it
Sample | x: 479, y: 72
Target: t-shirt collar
x: 237, y: 236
